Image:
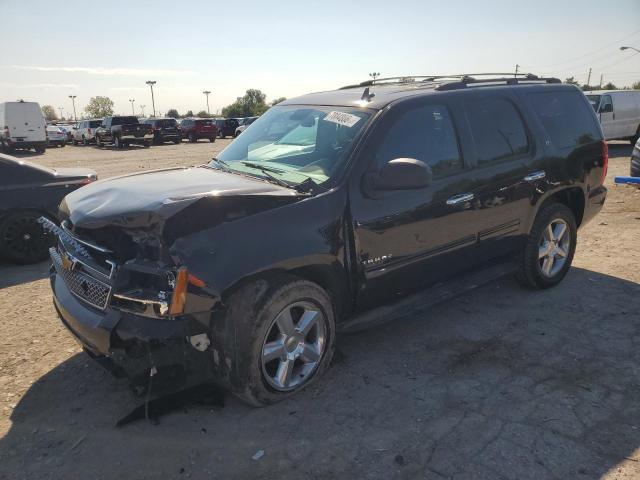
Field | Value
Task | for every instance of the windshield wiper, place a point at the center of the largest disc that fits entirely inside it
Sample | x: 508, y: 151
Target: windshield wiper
x: 225, y: 165
x: 267, y: 172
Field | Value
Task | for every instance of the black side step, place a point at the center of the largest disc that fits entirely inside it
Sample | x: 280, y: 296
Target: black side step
x: 420, y: 301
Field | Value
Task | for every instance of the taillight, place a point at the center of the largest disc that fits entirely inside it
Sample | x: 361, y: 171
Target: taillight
x: 605, y: 161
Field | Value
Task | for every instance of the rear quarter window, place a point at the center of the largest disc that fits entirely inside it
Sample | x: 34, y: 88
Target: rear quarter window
x: 497, y: 128
x: 566, y: 118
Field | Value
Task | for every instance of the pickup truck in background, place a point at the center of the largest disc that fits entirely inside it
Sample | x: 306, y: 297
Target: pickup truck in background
x: 123, y: 131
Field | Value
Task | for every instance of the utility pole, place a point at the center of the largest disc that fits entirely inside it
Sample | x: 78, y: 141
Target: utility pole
x: 517, y: 69
x: 374, y: 75
x: 132, y: 100
x: 207, y: 92
x: 589, y: 77
x: 151, y: 83
x: 142, y: 109
x: 73, y: 101
x: 61, y: 116
x: 601, y: 78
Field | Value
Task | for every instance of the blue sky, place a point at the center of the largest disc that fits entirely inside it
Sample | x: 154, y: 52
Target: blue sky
x: 51, y: 50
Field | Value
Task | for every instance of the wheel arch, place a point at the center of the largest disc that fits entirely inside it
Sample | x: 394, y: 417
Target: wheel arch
x: 330, y: 277
x: 573, y: 197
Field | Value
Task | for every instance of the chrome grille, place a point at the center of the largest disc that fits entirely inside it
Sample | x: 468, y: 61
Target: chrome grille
x: 82, y: 285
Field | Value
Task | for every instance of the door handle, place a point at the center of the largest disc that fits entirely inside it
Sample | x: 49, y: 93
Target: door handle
x: 462, y: 198
x: 535, y: 176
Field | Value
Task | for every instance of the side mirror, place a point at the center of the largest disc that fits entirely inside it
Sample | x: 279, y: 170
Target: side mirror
x: 606, y: 108
x: 403, y: 174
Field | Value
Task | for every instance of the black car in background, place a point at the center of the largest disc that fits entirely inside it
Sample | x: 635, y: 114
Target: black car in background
x: 122, y: 131
x: 227, y: 127
x: 164, y: 130
x: 333, y: 211
x: 27, y: 192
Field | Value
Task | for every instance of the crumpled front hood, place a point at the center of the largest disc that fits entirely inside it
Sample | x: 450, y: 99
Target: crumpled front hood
x: 148, y: 200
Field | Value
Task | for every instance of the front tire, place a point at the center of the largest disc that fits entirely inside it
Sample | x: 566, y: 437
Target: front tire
x: 98, y: 142
x: 22, y: 238
x: 285, y: 338
x: 549, y: 249
x: 117, y: 143
x: 192, y: 138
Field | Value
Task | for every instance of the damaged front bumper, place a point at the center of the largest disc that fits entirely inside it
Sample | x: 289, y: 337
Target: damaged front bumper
x: 136, y: 346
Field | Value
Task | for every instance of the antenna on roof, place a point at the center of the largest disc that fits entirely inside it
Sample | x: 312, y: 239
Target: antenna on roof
x: 366, y: 96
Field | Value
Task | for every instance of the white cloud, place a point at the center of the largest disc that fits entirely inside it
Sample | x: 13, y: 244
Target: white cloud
x: 130, y: 72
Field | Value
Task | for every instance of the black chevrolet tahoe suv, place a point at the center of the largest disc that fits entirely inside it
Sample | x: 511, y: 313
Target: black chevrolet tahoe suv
x: 334, y: 211
x: 123, y: 131
x: 164, y: 130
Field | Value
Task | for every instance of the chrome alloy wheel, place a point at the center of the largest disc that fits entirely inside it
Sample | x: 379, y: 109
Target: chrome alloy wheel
x: 554, y: 247
x: 293, y: 346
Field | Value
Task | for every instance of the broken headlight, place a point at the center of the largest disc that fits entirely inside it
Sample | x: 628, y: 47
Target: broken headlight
x: 151, y: 292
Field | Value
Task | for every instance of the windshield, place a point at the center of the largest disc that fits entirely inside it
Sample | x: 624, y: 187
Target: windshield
x: 594, y: 100
x: 296, y: 143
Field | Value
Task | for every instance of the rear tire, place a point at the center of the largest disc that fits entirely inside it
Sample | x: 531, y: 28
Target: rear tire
x: 85, y: 142
x: 549, y: 249
x: 258, y: 311
x: 117, y: 143
x: 192, y: 138
x: 176, y: 141
x: 212, y: 139
x: 22, y: 238
x: 40, y: 150
x: 98, y: 142
x: 146, y: 144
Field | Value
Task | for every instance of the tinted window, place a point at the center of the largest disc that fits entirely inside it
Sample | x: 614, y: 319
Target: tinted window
x: 94, y: 123
x: 497, y: 129
x: 203, y: 122
x: 124, y: 120
x: 426, y: 134
x: 565, y: 117
x: 168, y: 122
x: 606, y: 100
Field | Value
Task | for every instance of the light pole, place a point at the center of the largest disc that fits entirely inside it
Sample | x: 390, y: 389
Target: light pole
x: 61, y: 116
x: 207, y: 92
x: 73, y: 101
x: 151, y: 83
x: 132, y: 100
x: 142, y: 109
x: 374, y: 75
x: 632, y: 48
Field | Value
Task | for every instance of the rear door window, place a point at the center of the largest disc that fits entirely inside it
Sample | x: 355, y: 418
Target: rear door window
x: 497, y: 128
x: 565, y: 117
x: 425, y: 133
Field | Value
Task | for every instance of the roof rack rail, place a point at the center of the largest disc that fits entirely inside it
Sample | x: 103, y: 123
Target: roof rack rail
x: 460, y: 80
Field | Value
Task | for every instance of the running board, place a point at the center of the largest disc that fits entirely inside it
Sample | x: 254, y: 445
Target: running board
x: 431, y: 296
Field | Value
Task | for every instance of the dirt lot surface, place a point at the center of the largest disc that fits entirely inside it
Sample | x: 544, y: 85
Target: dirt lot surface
x: 503, y: 383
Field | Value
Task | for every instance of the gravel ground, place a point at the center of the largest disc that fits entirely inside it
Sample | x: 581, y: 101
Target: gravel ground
x: 502, y: 383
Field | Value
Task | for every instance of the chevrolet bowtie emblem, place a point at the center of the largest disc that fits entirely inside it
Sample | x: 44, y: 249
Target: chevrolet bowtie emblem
x: 68, y: 263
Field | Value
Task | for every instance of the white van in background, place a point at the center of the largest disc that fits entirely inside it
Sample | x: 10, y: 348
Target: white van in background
x: 22, y: 125
x: 619, y: 113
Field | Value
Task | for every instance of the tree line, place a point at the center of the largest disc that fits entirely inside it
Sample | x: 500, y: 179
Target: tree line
x: 252, y: 104
x: 607, y: 86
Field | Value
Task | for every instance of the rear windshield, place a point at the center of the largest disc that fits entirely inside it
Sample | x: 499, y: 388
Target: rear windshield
x: 204, y: 122
x: 167, y: 122
x: 95, y: 123
x: 566, y: 118
x: 124, y: 120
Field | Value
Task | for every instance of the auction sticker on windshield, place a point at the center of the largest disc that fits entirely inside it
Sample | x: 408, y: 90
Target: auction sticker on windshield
x: 342, y: 118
